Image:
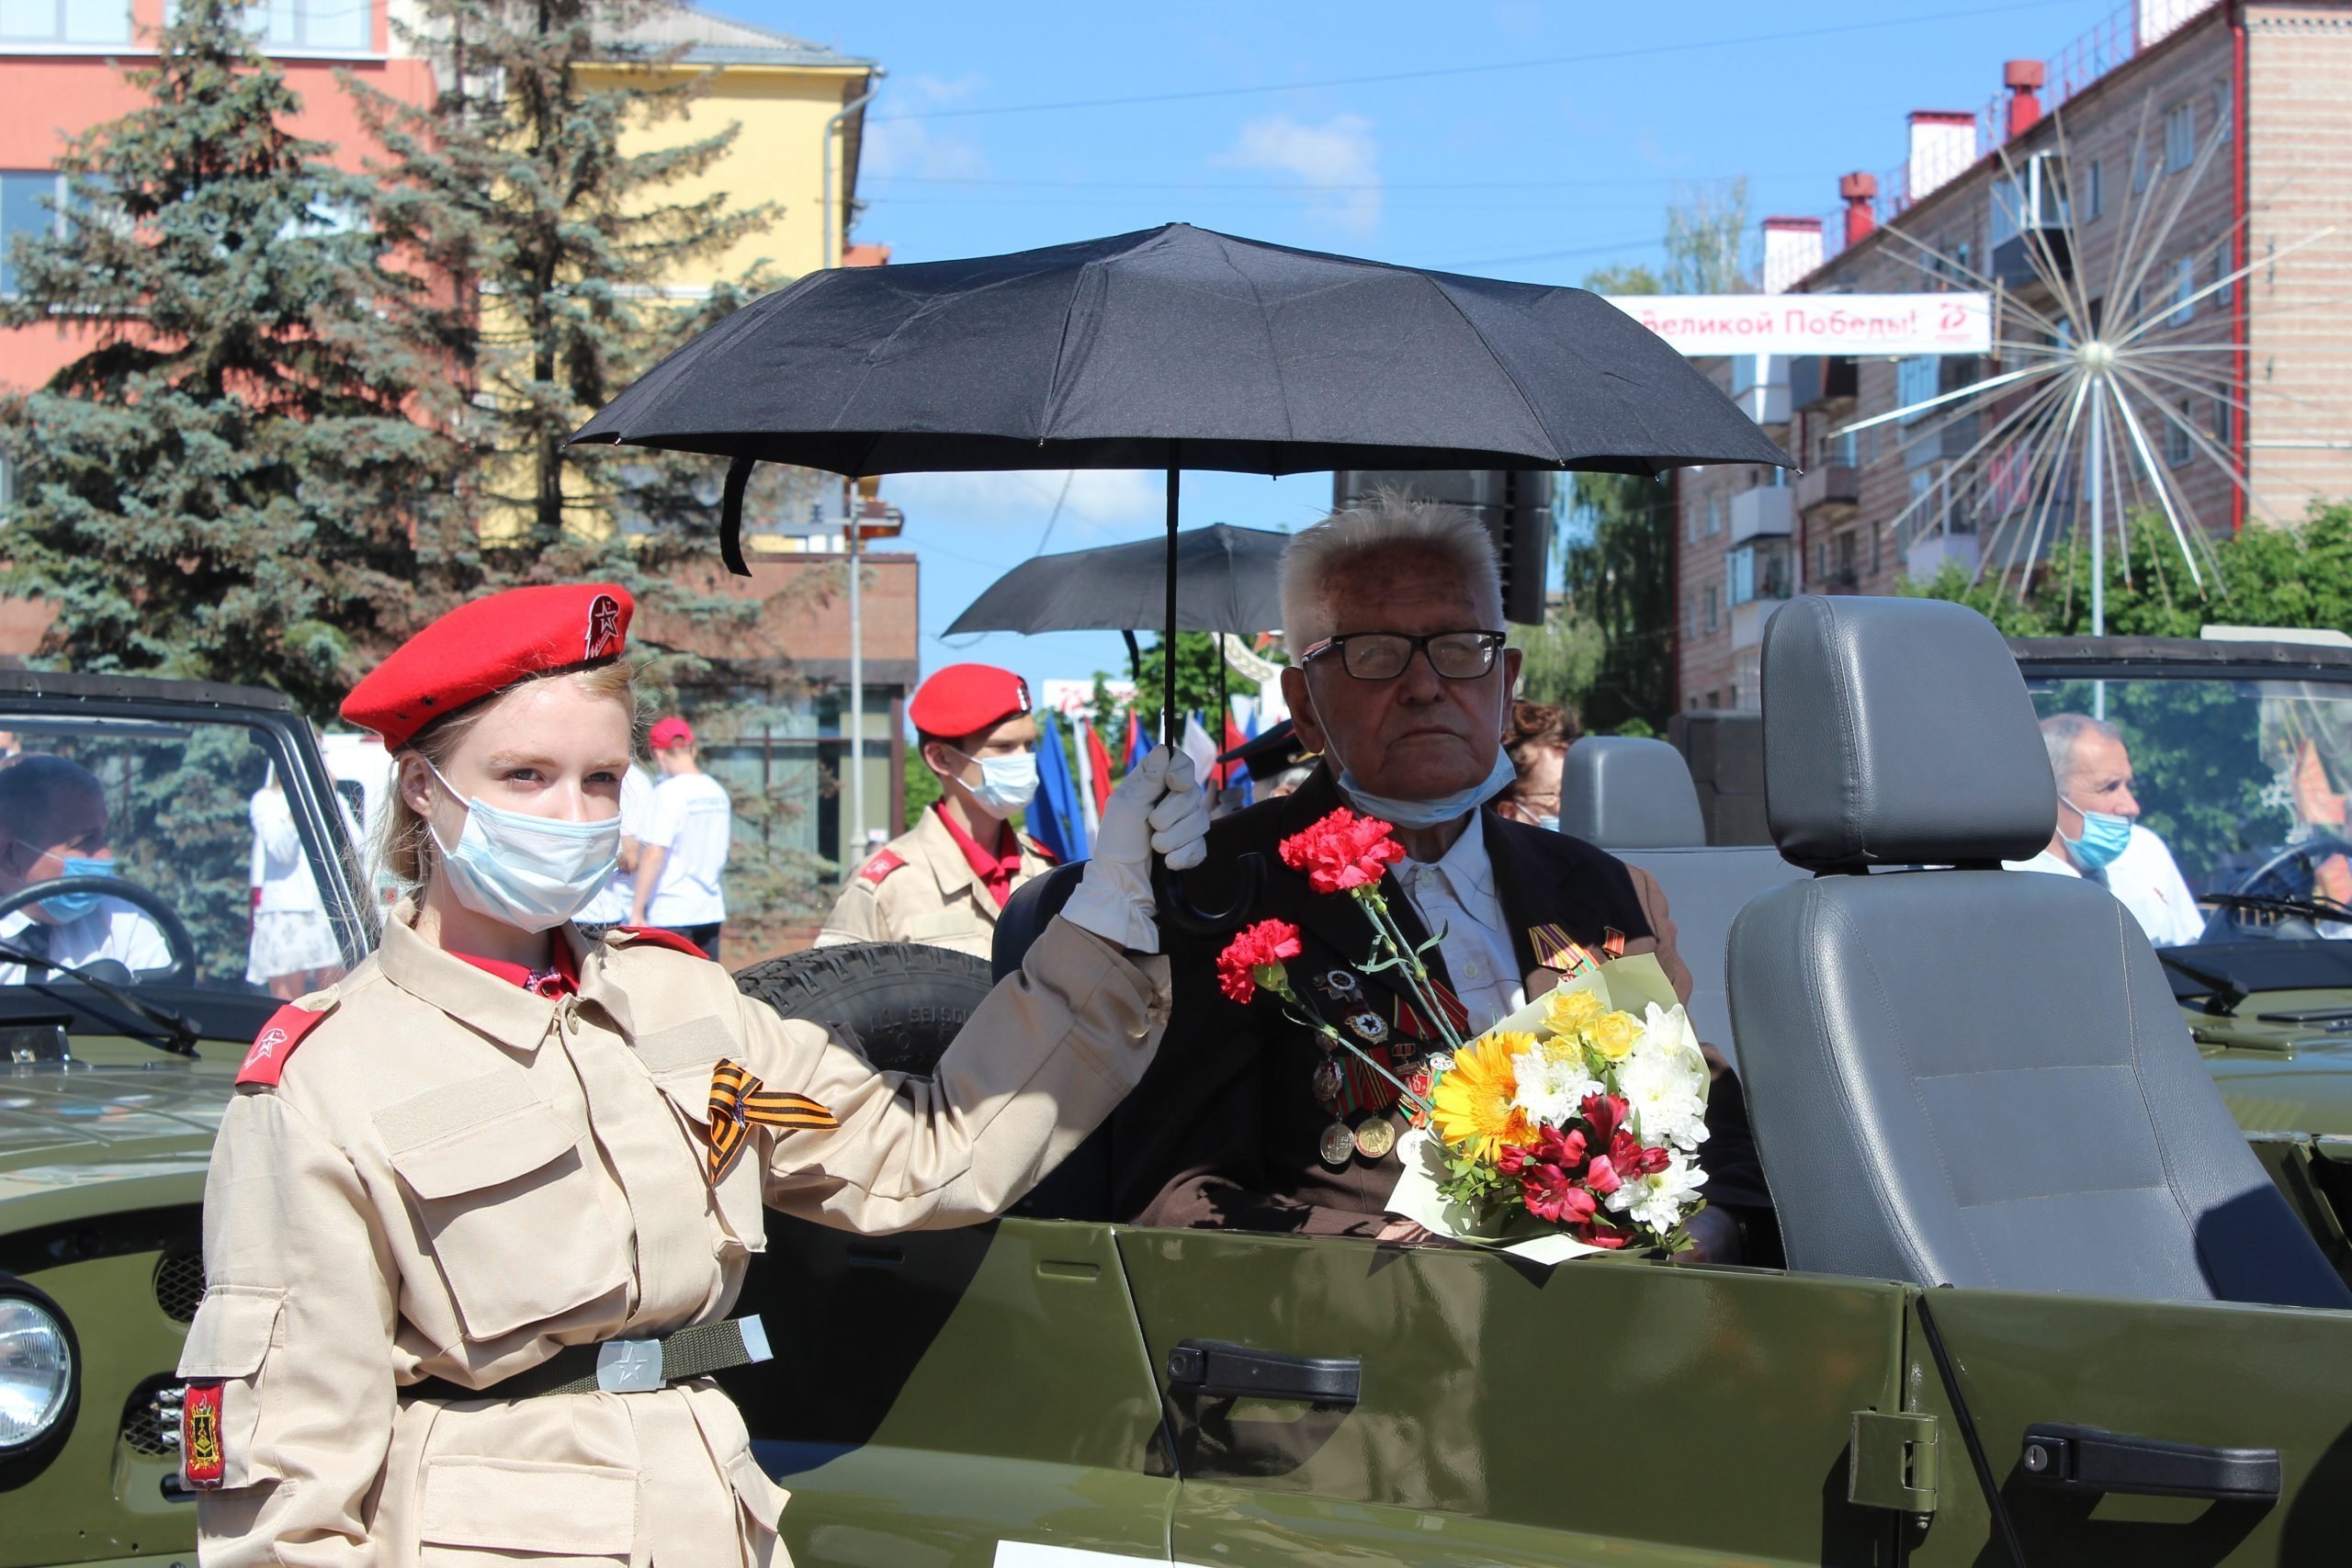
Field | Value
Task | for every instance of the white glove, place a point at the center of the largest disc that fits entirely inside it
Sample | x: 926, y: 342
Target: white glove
x: 1157, y: 806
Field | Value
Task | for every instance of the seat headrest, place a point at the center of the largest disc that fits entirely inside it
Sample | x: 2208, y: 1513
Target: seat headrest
x: 1898, y: 732
x: 1622, y: 793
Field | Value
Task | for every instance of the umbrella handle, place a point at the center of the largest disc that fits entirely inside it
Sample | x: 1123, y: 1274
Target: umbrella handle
x: 1179, y: 911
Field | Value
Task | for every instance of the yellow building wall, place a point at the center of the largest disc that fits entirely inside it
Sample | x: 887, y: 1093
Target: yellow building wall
x: 782, y: 111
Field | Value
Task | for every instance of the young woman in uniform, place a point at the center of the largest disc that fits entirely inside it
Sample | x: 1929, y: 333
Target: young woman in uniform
x: 478, y: 1212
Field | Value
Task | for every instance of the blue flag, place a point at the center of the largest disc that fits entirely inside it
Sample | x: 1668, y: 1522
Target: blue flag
x: 1053, y: 817
x: 1138, y: 744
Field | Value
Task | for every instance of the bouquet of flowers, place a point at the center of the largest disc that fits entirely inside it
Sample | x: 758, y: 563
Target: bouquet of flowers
x: 1572, y: 1126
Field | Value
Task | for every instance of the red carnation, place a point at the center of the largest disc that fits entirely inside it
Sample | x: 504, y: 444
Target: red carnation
x: 1255, y: 949
x: 1343, y: 851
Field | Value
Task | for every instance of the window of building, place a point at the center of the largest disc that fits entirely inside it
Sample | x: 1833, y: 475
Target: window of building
x: 2181, y: 137
x: 2094, y: 190
x: 2139, y: 170
x: 2225, y: 264
x: 1878, y: 548
x: 2222, y: 411
x: 2177, y: 447
x: 1714, y: 515
x: 1690, y: 523
x: 1714, y: 609
x: 30, y: 203
x: 337, y: 26
x: 2184, y: 291
x: 1915, y: 382
x: 1760, y: 570
x: 65, y: 21
x: 1842, y: 558
x: 2224, y: 110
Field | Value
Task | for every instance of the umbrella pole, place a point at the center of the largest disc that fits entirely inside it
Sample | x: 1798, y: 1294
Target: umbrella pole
x: 1168, y: 731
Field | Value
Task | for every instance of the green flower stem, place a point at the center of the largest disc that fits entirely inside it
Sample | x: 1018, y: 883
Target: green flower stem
x: 1315, y: 1023
x: 1392, y: 936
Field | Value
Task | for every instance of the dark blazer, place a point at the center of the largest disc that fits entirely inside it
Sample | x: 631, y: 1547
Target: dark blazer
x: 1225, y: 1128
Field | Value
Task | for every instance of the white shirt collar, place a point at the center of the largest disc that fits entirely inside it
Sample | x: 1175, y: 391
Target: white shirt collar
x: 1468, y: 872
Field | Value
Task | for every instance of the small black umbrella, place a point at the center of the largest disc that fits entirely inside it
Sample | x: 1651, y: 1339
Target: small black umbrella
x: 1170, y: 348
x: 1225, y: 581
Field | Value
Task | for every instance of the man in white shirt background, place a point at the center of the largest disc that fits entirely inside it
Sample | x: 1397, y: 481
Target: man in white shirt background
x: 2100, y: 836
x: 684, y: 844
x: 614, y: 903
x: 52, y: 825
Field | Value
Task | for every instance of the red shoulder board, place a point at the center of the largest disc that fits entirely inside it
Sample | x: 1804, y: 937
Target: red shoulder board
x: 276, y: 1042
x: 653, y: 936
x: 884, y: 863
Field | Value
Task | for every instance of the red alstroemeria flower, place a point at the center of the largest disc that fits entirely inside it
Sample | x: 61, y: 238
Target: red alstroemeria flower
x: 1551, y: 1194
x: 1566, y: 1150
x: 1601, y: 1175
x: 1254, y: 958
x: 1626, y: 1154
x: 1597, y: 1232
x: 1343, y: 851
x: 1605, y: 1113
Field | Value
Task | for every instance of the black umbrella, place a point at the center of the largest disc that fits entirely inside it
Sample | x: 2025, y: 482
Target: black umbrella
x: 1170, y: 348
x: 1225, y: 581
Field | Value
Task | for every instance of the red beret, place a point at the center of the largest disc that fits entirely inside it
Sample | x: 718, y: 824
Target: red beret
x: 485, y: 647
x: 964, y: 699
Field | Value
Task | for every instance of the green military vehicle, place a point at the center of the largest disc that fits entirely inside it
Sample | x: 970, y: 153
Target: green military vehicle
x: 2158, y: 1369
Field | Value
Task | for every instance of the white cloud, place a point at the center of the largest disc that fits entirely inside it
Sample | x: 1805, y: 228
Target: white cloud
x: 917, y: 147
x: 1100, y: 500
x: 1337, y: 162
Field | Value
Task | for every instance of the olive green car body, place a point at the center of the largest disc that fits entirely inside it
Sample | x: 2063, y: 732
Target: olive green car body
x: 1003, y: 1394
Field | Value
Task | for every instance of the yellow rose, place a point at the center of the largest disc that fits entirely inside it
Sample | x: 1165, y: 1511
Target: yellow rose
x: 1614, y: 1034
x: 1569, y: 1012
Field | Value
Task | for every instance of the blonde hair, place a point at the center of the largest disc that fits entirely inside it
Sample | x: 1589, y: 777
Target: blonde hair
x: 1390, y: 522
x: 404, y: 845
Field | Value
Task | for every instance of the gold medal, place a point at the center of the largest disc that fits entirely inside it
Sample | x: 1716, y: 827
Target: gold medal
x: 1339, y: 1144
x: 1376, y: 1135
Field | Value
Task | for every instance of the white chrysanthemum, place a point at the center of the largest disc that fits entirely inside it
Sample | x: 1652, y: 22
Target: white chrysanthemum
x: 1658, y: 1202
x: 1664, y: 1080
x: 1550, y: 1091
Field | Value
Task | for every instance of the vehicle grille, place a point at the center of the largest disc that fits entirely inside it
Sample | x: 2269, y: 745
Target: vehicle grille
x: 151, y: 1417
x: 179, y: 1284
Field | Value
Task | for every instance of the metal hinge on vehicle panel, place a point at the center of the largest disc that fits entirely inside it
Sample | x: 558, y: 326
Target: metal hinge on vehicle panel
x: 1893, y: 1462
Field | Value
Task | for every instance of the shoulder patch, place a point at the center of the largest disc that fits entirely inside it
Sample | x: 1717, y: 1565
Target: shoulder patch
x: 266, y: 1059
x: 652, y: 936
x: 884, y: 863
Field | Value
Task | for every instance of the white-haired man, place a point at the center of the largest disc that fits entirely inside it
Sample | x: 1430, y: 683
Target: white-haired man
x: 1393, y: 614
x: 2100, y: 836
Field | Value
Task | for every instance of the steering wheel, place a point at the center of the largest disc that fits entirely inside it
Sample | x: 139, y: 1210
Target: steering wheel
x: 181, y: 945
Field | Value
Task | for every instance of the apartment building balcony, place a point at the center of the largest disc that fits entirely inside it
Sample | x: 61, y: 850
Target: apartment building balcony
x: 1828, y: 486
x: 1765, y: 511
x: 1817, y: 381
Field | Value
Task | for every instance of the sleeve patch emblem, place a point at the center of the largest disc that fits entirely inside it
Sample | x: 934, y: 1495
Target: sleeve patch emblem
x: 883, y: 864
x: 200, y: 1453
x: 276, y: 1042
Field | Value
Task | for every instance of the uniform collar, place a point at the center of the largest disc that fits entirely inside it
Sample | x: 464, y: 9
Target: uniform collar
x: 942, y: 856
x: 474, y: 997
x: 994, y: 869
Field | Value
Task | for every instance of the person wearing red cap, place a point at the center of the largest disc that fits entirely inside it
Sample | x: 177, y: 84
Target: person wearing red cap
x: 943, y: 882
x: 685, y: 843
x: 480, y: 1212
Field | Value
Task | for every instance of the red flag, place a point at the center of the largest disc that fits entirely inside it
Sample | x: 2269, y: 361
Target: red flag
x: 1229, y: 771
x: 1098, y: 769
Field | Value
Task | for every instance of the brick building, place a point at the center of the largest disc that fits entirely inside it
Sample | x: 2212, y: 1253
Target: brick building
x: 2114, y: 127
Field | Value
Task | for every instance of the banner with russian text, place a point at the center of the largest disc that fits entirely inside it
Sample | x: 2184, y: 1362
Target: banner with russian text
x: 1861, y: 325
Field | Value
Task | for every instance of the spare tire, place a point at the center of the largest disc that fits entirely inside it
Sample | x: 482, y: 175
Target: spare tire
x: 896, y: 1003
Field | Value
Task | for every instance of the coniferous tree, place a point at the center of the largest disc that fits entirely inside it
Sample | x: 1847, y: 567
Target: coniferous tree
x: 559, y: 246
x: 241, y: 476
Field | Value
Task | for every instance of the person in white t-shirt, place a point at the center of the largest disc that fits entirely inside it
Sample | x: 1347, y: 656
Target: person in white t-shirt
x: 52, y: 825
x: 293, y: 951
x: 2100, y: 836
x: 686, y: 844
x: 614, y: 902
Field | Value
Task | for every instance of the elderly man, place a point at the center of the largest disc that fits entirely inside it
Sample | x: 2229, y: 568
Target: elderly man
x: 53, y: 825
x: 1393, y: 612
x: 2100, y: 836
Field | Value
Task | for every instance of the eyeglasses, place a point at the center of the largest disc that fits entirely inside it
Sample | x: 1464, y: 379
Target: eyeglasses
x: 1382, y: 656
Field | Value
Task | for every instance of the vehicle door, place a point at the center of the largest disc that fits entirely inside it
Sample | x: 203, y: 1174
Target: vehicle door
x: 1508, y: 1412
x: 937, y: 1393
x: 2225, y: 1386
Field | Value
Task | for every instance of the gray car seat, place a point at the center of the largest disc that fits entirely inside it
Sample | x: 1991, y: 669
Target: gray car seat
x: 1622, y: 793
x: 1967, y: 1076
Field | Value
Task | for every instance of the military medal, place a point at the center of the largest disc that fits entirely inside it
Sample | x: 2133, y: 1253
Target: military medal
x: 1367, y: 1026
x: 202, y: 1458
x: 1339, y: 1144
x: 1374, y: 1136
x: 1338, y: 984
x: 1327, y: 1079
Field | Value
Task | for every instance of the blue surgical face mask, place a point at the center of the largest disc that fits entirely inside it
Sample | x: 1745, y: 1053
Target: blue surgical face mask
x: 1007, y: 783
x: 69, y: 906
x: 2104, y: 838
x: 534, y: 873
x: 1550, y: 824
x: 1430, y: 813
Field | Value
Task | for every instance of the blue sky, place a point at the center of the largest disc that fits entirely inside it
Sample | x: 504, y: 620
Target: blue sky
x: 1486, y: 161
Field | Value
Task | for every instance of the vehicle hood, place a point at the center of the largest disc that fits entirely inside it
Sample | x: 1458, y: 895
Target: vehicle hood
x: 2281, y: 1076
x: 66, y: 1127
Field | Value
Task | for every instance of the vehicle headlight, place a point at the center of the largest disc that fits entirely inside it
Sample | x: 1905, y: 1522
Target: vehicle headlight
x: 36, y: 1370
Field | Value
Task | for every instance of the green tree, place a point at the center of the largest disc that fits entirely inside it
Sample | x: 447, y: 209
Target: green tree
x: 558, y: 245
x: 1706, y: 240
x: 1559, y: 660
x: 1197, y: 663
x: 241, y: 476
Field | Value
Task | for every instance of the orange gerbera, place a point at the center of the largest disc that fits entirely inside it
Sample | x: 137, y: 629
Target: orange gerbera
x: 1473, y: 1109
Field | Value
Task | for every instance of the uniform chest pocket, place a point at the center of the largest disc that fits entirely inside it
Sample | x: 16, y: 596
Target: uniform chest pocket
x: 503, y: 1189
x: 682, y: 1061
x: 942, y: 923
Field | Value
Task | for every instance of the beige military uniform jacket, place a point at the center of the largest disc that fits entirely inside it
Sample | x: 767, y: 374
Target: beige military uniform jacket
x: 919, y: 887
x: 456, y: 1177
